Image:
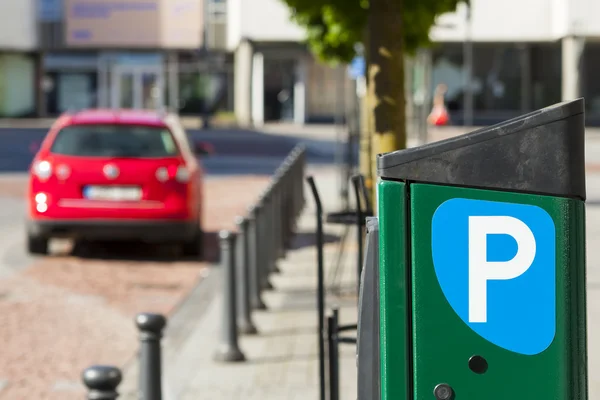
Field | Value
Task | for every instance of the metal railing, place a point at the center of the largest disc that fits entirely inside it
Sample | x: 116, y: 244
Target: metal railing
x: 329, y: 327
x: 248, y: 258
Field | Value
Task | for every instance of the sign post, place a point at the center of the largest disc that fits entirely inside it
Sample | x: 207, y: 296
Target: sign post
x: 482, y: 263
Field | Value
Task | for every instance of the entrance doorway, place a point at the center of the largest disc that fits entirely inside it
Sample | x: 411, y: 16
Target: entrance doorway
x: 279, y: 80
x: 137, y: 87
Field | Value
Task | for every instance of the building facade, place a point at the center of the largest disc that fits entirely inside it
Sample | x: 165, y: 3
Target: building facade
x: 501, y: 59
x: 194, y: 56
x: 61, y: 54
x: 117, y: 54
x: 275, y: 76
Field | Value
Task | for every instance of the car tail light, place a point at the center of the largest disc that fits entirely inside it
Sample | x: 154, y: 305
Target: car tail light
x: 182, y: 175
x: 43, y: 170
x: 162, y: 174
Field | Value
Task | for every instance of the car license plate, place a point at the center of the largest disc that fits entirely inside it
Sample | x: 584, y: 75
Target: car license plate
x: 113, y: 193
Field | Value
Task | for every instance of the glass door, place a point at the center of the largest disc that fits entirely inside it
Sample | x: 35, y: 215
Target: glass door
x: 152, y: 90
x: 126, y: 90
x: 137, y: 88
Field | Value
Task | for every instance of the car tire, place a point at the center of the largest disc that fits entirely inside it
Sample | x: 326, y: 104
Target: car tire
x: 194, y: 247
x: 37, y: 245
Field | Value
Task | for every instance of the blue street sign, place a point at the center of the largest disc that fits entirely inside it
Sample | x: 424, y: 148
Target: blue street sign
x: 496, y: 265
x: 357, y: 67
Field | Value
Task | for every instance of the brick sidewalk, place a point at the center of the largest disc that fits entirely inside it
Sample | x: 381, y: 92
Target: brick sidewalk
x: 282, y: 360
x: 64, y: 313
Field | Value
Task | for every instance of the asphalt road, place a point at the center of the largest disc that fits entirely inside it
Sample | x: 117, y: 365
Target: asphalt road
x: 237, y: 151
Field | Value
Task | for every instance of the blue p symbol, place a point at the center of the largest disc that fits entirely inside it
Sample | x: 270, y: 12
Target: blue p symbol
x: 505, y: 293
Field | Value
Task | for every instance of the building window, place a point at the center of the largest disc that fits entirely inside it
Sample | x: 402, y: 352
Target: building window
x: 447, y: 68
x: 17, y: 86
x: 496, y: 76
x: 590, y: 85
x: 70, y: 90
x: 507, y: 79
x: 217, y: 11
x: 546, y: 71
x: 203, y: 92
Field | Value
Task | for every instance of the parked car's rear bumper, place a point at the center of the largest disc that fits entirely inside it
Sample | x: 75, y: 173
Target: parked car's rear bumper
x: 159, y: 231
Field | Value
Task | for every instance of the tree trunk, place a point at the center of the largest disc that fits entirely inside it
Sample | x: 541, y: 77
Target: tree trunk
x: 385, y: 81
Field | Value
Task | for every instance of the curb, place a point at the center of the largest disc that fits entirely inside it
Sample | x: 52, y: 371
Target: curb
x: 180, y: 324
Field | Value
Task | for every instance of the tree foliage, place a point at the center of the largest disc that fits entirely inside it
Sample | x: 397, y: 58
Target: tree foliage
x: 334, y: 27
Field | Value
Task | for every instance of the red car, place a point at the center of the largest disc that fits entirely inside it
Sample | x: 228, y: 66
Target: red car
x: 117, y: 175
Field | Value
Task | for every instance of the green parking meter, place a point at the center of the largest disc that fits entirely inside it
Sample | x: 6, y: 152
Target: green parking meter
x: 482, y: 263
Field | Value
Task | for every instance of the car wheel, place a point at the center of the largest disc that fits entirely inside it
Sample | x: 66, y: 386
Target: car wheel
x: 194, y: 247
x: 37, y: 245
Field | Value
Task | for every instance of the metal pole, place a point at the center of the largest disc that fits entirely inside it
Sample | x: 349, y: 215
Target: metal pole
x: 150, y: 327
x: 102, y: 382
x: 279, y: 218
x: 294, y: 197
x: 244, y: 320
x: 273, y: 246
x: 468, y: 62
x: 228, y: 350
x: 253, y: 271
x: 359, y: 231
x: 320, y: 285
x: 301, y: 172
x: 260, y: 242
x: 288, y: 205
x: 334, y: 358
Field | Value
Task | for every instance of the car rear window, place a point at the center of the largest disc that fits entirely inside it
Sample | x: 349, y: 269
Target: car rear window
x: 114, y: 141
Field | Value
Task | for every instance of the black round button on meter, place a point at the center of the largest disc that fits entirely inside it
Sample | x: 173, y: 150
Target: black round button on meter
x: 478, y: 364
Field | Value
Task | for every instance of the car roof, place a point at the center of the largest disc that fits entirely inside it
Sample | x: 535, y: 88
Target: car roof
x: 115, y: 116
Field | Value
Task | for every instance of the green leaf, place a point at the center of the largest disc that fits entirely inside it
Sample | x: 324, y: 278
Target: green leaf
x: 333, y: 27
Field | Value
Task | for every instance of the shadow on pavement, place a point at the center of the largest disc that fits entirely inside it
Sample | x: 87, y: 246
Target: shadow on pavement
x: 297, y: 330
x: 139, y: 251
x: 237, y: 151
x: 309, y: 239
x: 283, y: 358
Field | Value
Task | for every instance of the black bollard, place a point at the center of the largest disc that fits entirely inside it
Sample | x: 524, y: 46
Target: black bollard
x: 273, y: 256
x: 264, y: 240
x: 244, y: 319
x: 286, y: 208
x: 102, y: 382
x: 151, y: 327
x: 253, y: 259
x: 228, y: 350
x: 278, y: 220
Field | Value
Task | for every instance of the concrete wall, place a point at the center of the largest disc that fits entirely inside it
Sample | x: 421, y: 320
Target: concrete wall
x: 260, y: 20
x: 134, y: 23
x: 18, y: 29
x: 520, y: 21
